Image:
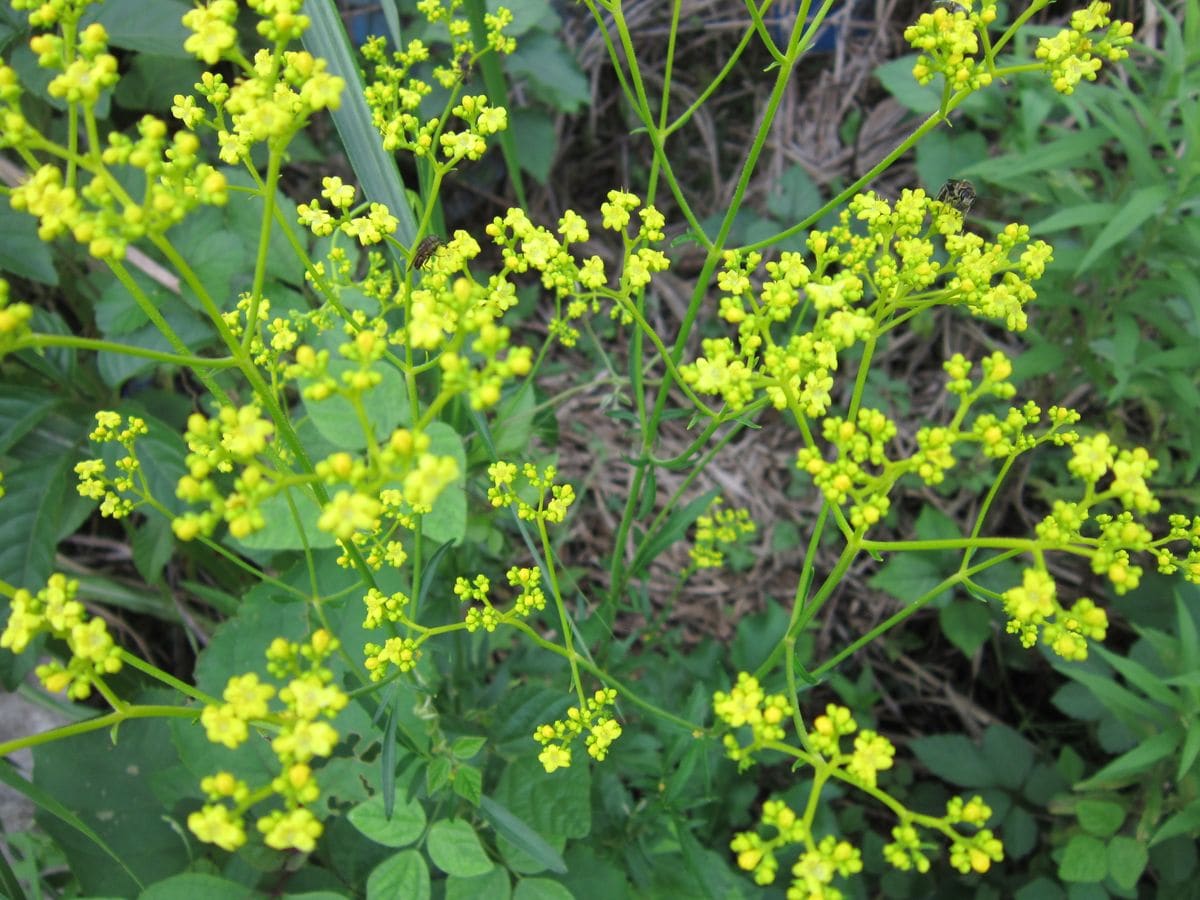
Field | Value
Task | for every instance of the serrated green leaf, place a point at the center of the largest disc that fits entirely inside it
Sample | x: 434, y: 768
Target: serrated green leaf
x: 21, y: 409
x: 1085, y: 860
x: 1127, y: 859
x: 550, y: 72
x: 22, y: 252
x: 953, y: 758
x: 966, y: 624
x: 468, y: 784
x: 149, y: 27
x: 454, y: 848
x: 466, y: 747
x: 33, y: 505
x: 437, y: 775
x: 1102, y: 818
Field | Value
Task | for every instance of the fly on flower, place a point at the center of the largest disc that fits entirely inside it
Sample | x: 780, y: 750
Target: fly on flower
x: 425, y: 251
x: 959, y: 193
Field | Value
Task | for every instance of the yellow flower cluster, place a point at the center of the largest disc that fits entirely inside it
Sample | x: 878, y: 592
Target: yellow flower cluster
x: 948, y: 38
x: 602, y: 730
x: 14, y: 320
x: 813, y: 873
x: 718, y: 528
x: 94, y: 481
x: 747, y: 705
x: 280, y: 90
x: 530, y: 598
x: 395, y: 90
x: 103, y: 213
x: 872, y: 752
x: 553, y: 500
x: 1072, y: 55
x: 897, y: 257
x: 301, y: 735
x: 54, y: 611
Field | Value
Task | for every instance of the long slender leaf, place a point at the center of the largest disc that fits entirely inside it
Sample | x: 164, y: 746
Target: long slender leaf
x: 376, y: 169
x: 524, y: 837
x: 1135, y: 763
x: 1144, y: 203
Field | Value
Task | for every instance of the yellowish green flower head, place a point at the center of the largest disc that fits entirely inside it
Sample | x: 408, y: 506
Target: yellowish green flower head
x: 307, y: 697
x: 591, y: 719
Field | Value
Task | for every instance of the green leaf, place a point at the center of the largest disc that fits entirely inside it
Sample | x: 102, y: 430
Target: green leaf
x: 1102, y: 818
x: 51, y: 806
x: 966, y: 624
x: 21, y: 409
x: 1075, y: 217
x: 492, y: 885
x: 1085, y: 859
x: 551, y: 72
x: 437, y: 774
x: 539, y: 144
x: 1008, y: 754
x: 385, y: 406
x: 405, y: 826
x: 1020, y: 832
x: 671, y: 531
x: 1056, y: 154
x: 794, y: 197
x: 33, y: 504
x: 953, y: 758
x: 466, y: 747
x: 1144, y: 203
x: 109, y: 786
x: 468, y: 784
x: 403, y: 875
x: 1127, y: 860
x: 1117, y: 699
x: 22, y: 252
x: 910, y: 576
x: 455, y: 849
x: 1191, y: 746
x: 191, y: 885
x: 153, y: 80
x: 540, y: 889
x: 1186, y: 821
x: 1134, y: 763
x: 374, y: 167
x: 148, y: 27
x: 282, y: 531
x: 521, y: 836
x: 896, y: 76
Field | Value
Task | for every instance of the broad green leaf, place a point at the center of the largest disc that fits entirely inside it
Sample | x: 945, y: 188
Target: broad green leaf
x: 527, y: 15
x: 191, y: 885
x: 110, y: 787
x: 33, y: 504
x: 1085, y: 859
x: 551, y: 73
x: 153, y: 80
x: 557, y: 808
x: 149, y: 27
x: 1142, y: 204
x: 794, y: 197
x: 1127, y: 860
x: 953, y: 758
x: 1136, y: 762
x: 493, y: 884
x: 405, y: 826
x: 22, y: 252
x: 403, y: 875
x: 21, y: 409
x: 1009, y: 755
x: 282, y: 532
x: 896, y: 76
x: 539, y: 142
x: 1102, y: 818
x: 50, y: 805
x: 540, y: 889
x: 375, y: 168
x: 521, y: 836
x: 385, y: 407
x: 455, y: 849
x: 966, y: 624
x: 468, y: 784
x: 1019, y: 832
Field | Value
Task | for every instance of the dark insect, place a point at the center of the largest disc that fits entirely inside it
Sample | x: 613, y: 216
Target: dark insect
x: 959, y: 193
x: 425, y: 251
x: 464, y: 66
